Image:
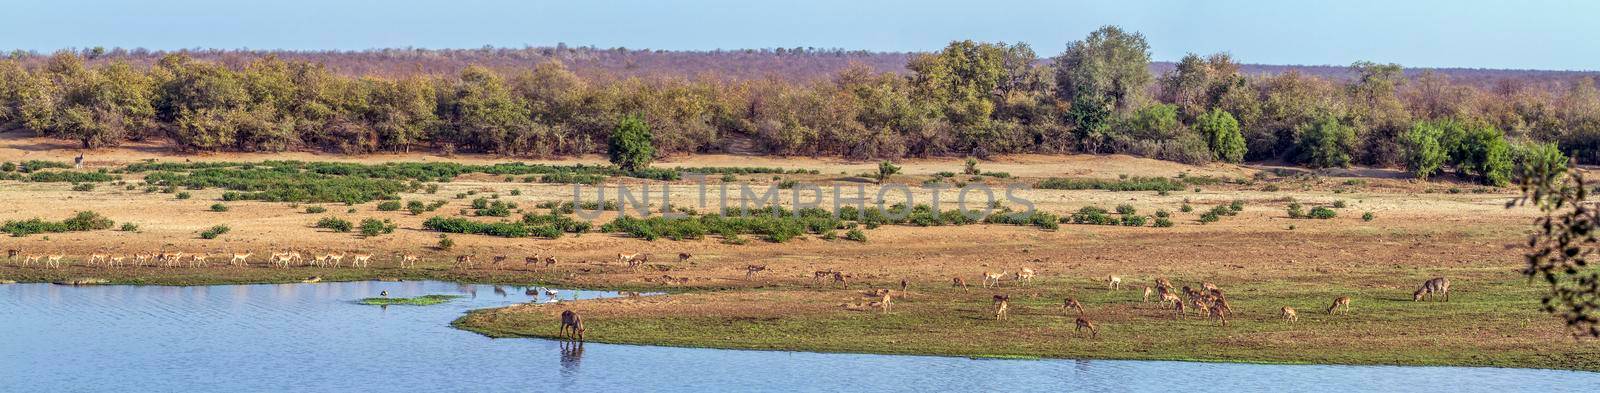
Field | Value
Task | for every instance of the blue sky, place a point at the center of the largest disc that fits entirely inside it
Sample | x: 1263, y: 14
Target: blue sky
x: 1537, y: 34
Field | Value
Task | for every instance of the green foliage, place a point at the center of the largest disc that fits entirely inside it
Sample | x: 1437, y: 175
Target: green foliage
x: 856, y: 234
x: 316, y: 210
x: 970, y: 167
x: 425, y: 300
x: 1483, y: 153
x: 1092, y: 215
x: 83, y: 187
x: 81, y: 222
x: 1322, y: 213
x: 1105, y: 73
x: 1424, y: 154
x: 219, y: 207
x: 1125, y: 209
x: 1339, y: 204
x: 1209, y: 216
x: 129, y: 227
x: 1130, y: 184
x: 373, y: 227
x: 631, y: 146
x: 69, y: 177
x: 886, y: 169
x: 445, y: 243
x: 1326, y: 143
x: 213, y: 232
x: 389, y: 206
x: 1296, y: 211
x: 545, y: 226
x: 1367, y: 216
x: 1163, y: 222
x: 336, y: 224
x: 1221, y: 132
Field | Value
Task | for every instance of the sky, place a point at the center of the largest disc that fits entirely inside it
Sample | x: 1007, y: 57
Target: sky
x: 1534, y: 34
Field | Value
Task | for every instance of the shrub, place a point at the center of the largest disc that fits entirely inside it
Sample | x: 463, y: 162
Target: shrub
x: 373, y: 227
x: 213, y: 232
x: 1322, y: 213
x: 971, y: 167
x: 1221, y: 132
x: 415, y: 207
x: 631, y: 147
x: 1129, y: 184
x: 1125, y: 209
x: 1210, y: 216
x: 1339, y: 204
x: 445, y: 243
x: 389, y: 206
x: 1236, y: 206
x: 886, y: 169
x: 129, y: 227
x: 856, y: 234
x: 81, y: 222
x: 1133, y: 221
x: 1163, y: 222
x: 316, y: 210
x: 184, y: 195
x: 1162, y: 214
x: 1186, y: 208
x: 83, y: 187
x: 218, y: 207
x: 334, y: 223
x: 1295, y: 211
x: 1367, y: 216
x: 1270, y: 188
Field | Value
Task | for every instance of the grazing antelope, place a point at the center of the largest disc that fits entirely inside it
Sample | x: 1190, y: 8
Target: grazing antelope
x: 409, y: 260
x: 1340, y: 302
x: 240, y: 259
x: 571, y: 325
x: 958, y: 282
x: 361, y: 260
x: 1288, y: 314
x: 992, y: 279
x: 1072, y: 304
x: 1026, y: 275
x: 1169, y: 297
x: 1218, y: 311
x: 498, y: 259
x: 533, y: 260
x: 684, y: 256
x: 751, y: 270
x: 1147, y: 292
x: 904, y: 285
x: 1085, y: 323
x: 633, y: 260
x: 1433, y: 288
x: 1001, y: 303
x: 1114, y: 283
x: 141, y: 259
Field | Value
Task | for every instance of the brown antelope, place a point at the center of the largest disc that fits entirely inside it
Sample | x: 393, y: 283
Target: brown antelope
x: 198, y: 260
x: 1208, y: 286
x: 114, y: 262
x: 633, y: 260
x: 886, y: 301
x: 54, y: 261
x: 240, y: 259
x: 498, y: 259
x: 1114, y: 283
x: 1001, y: 303
x: 361, y: 260
x: 532, y: 261
x: 409, y: 260
x: 1169, y: 297
x: 992, y: 279
x: 12, y: 253
x: 1433, y: 288
x: 571, y: 325
x: 1085, y: 323
x: 335, y: 259
x: 751, y: 270
x: 1218, y: 311
x: 904, y: 285
x: 549, y: 262
x: 97, y: 258
x: 30, y: 260
x: 1177, y: 307
x: 1163, y: 283
x: 1338, y: 303
x: 464, y: 261
x: 839, y: 277
x: 1025, y: 275
x: 1288, y: 314
x: 958, y: 282
x: 1072, y: 304
x: 684, y: 256
x: 1147, y: 293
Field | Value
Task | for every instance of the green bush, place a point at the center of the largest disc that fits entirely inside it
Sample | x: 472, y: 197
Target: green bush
x: 83, y: 187
x: 373, y: 227
x: 1163, y: 222
x: 1210, y: 216
x: 1236, y: 206
x: 1125, y: 209
x: 336, y: 224
x: 856, y: 234
x: 445, y: 243
x: 1092, y: 215
x: 81, y: 222
x: 416, y: 207
x: 1133, y: 220
x: 218, y: 207
x: 1367, y: 216
x: 1162, y: 214
x: 184, y: 195
x: 1295, y: 211
x: 129, y: 227
x: 1322, y: 213
x: 1131, y: 184
x: 316, y: 210
x: 213, y: 232
x: 1339, y: 204
x: 389, y: 206
x: 1186, y: 208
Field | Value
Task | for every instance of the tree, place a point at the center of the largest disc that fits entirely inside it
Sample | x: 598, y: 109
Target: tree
x: 1221, y: 132
x: 1484, y: 154
x: 483, y: 113
x: 631, y: 147
x: 1326, y: 143
x: 1105, y: 73
x: 1424, y: 155
x: 1562, y: 244
x: 886, y: 169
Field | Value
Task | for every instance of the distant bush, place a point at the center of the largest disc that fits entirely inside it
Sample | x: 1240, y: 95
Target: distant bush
x: 389, y: 206
x: 1133, y: 220
x: 316, y: 210
x: 1367, y: 216
x: 373, y: 227
x: 184, y: 195
x: 1131, y: 184
x: 1092, y: 215
x: 1236, y: 206
x: 336, y: 224
x: 1163, y: 222
x: 213, y: 232
x: 1125, y: 209
x: 219, y: 207
x: 1162, y: 214
x: 83, y: 187
x: 1339, y: 204
x: 1210, y: 216
x: 445, y: 243
x: 129, y: 227
x: 1186, y: 208
x: 1322, y: 213
x: 1295, y: 211
x: 81, y: 222
x: 856, y: 234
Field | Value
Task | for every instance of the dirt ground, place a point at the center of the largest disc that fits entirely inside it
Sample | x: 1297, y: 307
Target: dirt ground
x: 1420, y: 230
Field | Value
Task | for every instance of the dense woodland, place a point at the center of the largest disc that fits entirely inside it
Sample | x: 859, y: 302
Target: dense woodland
x: 1101, y: 94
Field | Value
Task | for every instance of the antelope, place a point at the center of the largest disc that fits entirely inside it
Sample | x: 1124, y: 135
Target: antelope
x: 549, y: 262
x: 1147, y: 293
x: 198, y: 260
x: 1001, y: 303
x: 1085, y: 323
x: 498, y: 259
x: 904, y: 285
x: 240, y: 259
x: 1433, y: 288
x: 1025, y: 275
x: 633, y: 260
x: 1163, y: 283
x: 54, y: 261
x: 533, y: 260
x: 571, y: 325
x: 992, y: 279
x: 141, y: 259
x: 1208, y: 286
x: 1168, y: 297
x: 31, y: 259
x: 1342, y: 301
x: 887, y: 300
x: 100, y: 258
x: 1114, y: 283
x: 839, y: 277
x: 1220, y: 311
x: 958, y: 282
x: 1288, y: 314
x: 1072, y: 304
x: 409, y: 260
x: 684, y: 256
x: 361, y: 260
x: 751, y: 270
x: 335, y: 260
x: 114, y: 262
x: 463, y: 261
x: 12, y: 253
x: 817, y: 276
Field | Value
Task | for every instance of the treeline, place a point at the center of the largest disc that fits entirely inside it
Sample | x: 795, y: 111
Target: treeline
x: 971, y: 98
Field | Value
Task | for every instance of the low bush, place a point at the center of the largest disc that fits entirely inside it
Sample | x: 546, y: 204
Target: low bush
x: 1367, y: 216
x: 856, y: 234
x: 1163, y: 222
x: 373, y: 227
x: 388, y: 206
x: 219, y: 207
x: 215, y: 231
x: 1129, y: 184
x: 336, y: 224
x: 1125, y: 209
x: 1323, y: 213
x: 81, y: 222
x: 129, y: 227
x: 316, y: 210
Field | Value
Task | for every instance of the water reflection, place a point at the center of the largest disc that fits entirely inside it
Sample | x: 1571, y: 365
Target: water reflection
x: 271, y: 338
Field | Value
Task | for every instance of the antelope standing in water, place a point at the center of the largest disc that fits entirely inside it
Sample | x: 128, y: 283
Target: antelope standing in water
x: 1288, y: 314
x: 1001, y: 303
x: 958, y: 282
x: 751, y: 270
x: 992, y: 279
x: 1114, y: 283
x: 1025, y: 275
x: 1338, y: 303
x: 1433, y: 288
x: 571, y: 325
x: 1085, y: 323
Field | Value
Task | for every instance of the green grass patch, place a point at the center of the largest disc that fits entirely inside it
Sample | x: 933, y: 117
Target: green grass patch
x: 425, y: 300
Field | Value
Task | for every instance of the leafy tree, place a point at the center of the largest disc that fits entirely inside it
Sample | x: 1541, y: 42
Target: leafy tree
x: 1424, y: 154
x: 1105, y: 73
x: 482, y: 113
x: 631, y: 147
x: 1326, y: 143
x: 1484, y: 154
x: 886, y: 169
x: 1221, y: 132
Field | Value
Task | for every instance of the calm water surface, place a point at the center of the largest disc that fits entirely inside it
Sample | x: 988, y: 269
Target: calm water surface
x: 313, y: 337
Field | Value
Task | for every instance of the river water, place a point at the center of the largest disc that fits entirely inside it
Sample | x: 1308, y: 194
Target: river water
x: 314, y: 337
